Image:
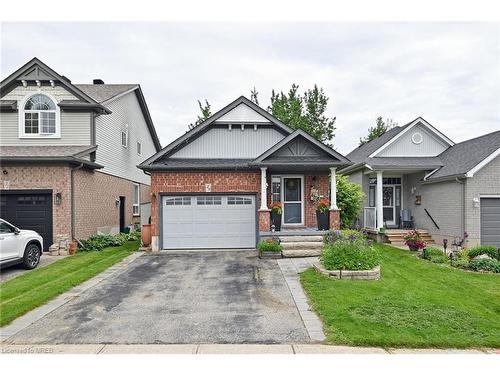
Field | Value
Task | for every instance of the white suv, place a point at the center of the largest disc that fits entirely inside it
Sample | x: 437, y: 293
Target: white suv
x: 19, y: 246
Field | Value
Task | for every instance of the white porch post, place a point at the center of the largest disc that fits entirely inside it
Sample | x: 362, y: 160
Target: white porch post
x: 333, y: 189
x: 263, y: 188
x: 378, y: 201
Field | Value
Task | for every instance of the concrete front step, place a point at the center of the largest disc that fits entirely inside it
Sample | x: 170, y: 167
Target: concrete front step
x: 299, y: 253
x: 301, y: 239
x: 302, y: 245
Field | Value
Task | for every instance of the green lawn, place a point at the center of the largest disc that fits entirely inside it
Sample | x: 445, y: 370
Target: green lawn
x: 37, y: 287
x: 415, y: 304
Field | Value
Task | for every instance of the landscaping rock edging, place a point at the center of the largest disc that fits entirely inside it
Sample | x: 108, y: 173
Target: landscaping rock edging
x: 373, y: 274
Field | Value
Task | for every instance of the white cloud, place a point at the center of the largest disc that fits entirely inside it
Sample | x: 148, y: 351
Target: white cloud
x: 449, y: 73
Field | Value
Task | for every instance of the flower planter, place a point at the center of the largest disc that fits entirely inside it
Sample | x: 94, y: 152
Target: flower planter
x: 146, y: 235
x: 373, y: 274
x: 323, y: 220
x: 73, y: 247
x: 276, y: 220
x: 270, y: 255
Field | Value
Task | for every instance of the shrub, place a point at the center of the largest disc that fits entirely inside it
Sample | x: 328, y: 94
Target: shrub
x: 333, y: 236
x: 489, y: 265
x: 349, y: 201
x: 347, y: 254
x: 269, y: 245
x: 434, y: 255
x: 491, y: 251
x: 98, y: 242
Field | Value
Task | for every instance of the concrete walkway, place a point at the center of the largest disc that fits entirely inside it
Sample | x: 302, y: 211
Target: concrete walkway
x: 223, y: 349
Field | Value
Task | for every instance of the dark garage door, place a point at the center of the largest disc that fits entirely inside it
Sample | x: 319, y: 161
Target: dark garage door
x: 29, y: 209
x: 490, y: 221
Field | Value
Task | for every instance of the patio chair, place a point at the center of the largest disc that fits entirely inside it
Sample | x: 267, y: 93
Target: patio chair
x: 406, y: 219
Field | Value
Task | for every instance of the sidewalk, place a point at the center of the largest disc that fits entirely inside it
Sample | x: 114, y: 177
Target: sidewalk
x: 224, y: 349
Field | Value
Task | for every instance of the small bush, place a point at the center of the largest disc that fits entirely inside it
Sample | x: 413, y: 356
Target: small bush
x: 269, y: 245
x: 333, y: 236
x: 349, y: 255
x: 489, y: 265
x: 434, y: 255
x: 491, y: 251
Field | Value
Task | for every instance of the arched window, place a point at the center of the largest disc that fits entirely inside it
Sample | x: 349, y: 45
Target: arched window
x: 40, y: 114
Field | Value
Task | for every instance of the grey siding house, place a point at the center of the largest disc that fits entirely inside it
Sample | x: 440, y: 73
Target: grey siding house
x: 448, y: 188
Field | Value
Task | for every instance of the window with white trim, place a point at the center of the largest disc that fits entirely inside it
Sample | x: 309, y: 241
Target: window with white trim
x: 39, y: 116
x: 124, y: 138
x: 137, y: 201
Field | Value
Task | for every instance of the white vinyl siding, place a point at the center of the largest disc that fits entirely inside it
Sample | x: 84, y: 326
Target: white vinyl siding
x: 221, y: 143
x: 75, y: 126
x: 117, y: 160
x: 430, y: 144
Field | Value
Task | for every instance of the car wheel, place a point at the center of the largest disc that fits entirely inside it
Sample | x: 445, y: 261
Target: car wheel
x: 31, y: 256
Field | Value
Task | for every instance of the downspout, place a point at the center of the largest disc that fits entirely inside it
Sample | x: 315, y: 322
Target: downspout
x: 463, y: 203
x: 73, y: 199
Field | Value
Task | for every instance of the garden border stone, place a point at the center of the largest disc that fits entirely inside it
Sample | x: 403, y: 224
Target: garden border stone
x: 373, y: 274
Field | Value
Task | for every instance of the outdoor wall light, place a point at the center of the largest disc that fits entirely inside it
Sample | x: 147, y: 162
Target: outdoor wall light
x: 475, y: 202
x: 58, y: 198
x: 5, y: 172
x: 117, y: 202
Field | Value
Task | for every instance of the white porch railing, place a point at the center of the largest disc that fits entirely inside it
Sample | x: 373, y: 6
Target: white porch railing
x: 370, y: 217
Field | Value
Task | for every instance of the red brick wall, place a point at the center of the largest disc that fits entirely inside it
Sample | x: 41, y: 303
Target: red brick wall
x: 95, y: 202
x: 52, y: 177
x: 194, y: 182
x: 322, y: 183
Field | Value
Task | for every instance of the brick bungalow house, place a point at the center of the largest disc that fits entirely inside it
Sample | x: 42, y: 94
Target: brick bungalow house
x: 68, y: 154
x: 212, y: 186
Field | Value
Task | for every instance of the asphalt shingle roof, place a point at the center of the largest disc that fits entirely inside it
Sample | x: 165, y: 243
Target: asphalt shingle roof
x: 202, y: 163
x: 463, y: 156
x: 42, y: 151
x: 101, y: 93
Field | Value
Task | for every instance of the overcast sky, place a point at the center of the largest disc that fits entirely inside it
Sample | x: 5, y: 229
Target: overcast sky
x: 448, y: 73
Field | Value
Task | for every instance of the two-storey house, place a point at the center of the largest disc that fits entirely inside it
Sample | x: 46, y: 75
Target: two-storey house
x: 68, y: 154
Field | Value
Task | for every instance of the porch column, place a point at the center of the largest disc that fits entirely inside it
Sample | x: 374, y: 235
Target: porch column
x: 378, y: 201
x: 263, y: 189
x: 264, y: 212
x: 333, y: 189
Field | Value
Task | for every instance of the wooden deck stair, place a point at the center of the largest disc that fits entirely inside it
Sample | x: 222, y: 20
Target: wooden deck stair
x: 396, y: 236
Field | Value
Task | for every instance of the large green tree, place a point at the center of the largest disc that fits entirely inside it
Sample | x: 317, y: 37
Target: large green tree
x: 304, y: 111
x: 376, y: 131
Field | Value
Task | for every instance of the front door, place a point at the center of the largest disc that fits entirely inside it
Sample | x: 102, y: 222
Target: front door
x: 388, y: 205
x: 292, y: 201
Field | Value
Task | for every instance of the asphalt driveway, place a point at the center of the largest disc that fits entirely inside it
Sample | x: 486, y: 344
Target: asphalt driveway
x: 190, y: 297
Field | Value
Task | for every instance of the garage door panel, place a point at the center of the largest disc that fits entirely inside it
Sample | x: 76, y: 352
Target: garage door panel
x: 490, y: 221
x: 208, y: 221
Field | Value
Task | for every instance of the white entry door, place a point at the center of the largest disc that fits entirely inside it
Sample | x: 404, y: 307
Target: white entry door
x: 208, y: 222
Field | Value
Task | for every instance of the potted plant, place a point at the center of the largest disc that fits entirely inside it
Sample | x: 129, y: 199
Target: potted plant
x: 276, y: 211
x: 322, y: 213
x: 414, y: 241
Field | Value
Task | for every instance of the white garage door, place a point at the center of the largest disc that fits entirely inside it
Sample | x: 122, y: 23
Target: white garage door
x: 490, y: 221
x: 208, y: 222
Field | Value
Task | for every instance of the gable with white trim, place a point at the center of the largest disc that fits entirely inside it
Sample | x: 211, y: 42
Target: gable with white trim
x: 243, y: 113
x: 418, y: 141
